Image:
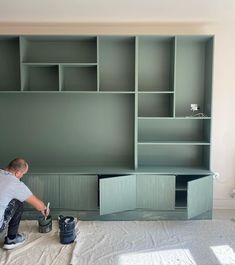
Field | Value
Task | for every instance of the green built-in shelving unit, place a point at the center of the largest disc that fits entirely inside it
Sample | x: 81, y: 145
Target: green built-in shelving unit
x: 105, y: 123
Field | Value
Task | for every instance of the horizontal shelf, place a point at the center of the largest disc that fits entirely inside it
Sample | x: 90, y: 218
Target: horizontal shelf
x: 175, y: 118
x: 119, y: 170
x: 181, y: 187
x: 174, y: 143
x: 156, y: 92
x: 180, y: 205
x: 62, y: 64
x: 60, y: 92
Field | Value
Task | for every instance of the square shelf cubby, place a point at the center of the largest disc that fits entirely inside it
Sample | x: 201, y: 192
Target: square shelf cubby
x: 40, y: 78
x: 155, y: 105
x: 79, y: 78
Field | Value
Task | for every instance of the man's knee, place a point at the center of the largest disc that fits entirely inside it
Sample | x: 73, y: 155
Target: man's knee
x: 16, y: 204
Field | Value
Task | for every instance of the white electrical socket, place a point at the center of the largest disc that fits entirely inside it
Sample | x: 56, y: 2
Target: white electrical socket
x: 216, y: 175
x: 232, y: 194
x: 194, y: 107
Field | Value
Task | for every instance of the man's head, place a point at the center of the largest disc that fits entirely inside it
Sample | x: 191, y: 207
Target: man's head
x: 18, y: 167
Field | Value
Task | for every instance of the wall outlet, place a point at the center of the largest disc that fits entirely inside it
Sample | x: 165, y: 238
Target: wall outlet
x: 194, y: 107
x: 232, y: 194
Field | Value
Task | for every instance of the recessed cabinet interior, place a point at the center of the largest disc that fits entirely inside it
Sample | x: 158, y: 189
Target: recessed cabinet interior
x: 108, y: 115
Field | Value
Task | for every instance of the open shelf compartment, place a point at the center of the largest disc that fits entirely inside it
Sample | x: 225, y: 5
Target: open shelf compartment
x: 40, y: 78
x: 155, y: 105
x: 78, y: 78
x: 193, y: 74
x: 178, y: 130
x: 195, y: 156
x: 9, y: 64
x: 156, y: 63
x: 117, y: 63
x: 59, y: 49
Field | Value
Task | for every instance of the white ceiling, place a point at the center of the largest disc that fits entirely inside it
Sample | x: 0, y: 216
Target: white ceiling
x: 75, y: 11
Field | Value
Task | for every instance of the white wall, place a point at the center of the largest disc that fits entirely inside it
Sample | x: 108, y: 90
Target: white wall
x: 223, y: 125
x: 223, y: 128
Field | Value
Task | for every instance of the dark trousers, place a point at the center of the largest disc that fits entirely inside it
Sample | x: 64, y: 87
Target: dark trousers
x: 12, y: 217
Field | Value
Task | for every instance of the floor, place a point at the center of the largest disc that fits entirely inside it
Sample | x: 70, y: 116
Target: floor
x: 45, y: 249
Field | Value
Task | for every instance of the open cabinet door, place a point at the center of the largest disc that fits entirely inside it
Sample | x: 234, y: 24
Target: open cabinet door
x: 200, y: 196
x: 117, y: 194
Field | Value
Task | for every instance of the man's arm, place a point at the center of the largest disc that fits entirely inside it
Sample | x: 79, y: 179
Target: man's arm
x: 37, y: 204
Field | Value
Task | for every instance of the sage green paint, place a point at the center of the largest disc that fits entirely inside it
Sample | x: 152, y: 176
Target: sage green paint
x: 79, y: 192
x: 156, y: 192
x: 45, y: 187
x: 200, y: 196
x: 117, y: 194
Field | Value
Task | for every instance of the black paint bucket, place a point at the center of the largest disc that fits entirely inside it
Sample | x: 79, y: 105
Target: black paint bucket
x: 67, y: 229
x: 45, y: 225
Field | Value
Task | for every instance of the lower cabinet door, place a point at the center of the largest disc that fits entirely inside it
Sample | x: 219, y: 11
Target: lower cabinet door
x: 200, y: 196
x: 79, y: 192
x: 117, y: 194
x: 45, y: 187
x: 156, y: 192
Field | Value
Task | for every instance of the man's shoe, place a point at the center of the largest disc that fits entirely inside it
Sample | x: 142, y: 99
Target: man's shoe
x: 13, y: 243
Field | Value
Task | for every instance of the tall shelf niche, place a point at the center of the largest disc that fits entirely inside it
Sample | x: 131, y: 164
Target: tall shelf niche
x: 61, y: 63
x: 193, y: 74
x: 156, y: 63
x: 117, y: 63
x: 9, y: 63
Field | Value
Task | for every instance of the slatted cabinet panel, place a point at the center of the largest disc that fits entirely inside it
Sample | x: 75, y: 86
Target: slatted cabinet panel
x: 79, y: 192
x: 156, y: 192
x: 45, y: 187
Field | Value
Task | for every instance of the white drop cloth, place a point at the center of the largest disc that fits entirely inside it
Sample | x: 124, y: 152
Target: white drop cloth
x: 39, y: 249
x: 207, y: 242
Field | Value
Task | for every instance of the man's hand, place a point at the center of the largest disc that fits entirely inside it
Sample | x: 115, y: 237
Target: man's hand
x: 46, y: 211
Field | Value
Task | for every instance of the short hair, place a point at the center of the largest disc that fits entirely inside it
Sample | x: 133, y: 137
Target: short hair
x: 18, y: 164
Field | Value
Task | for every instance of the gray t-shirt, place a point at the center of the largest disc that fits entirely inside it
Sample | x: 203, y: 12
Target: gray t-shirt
x: 11, y: 188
